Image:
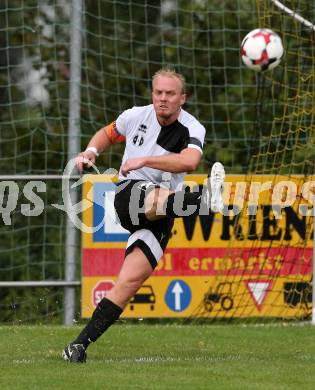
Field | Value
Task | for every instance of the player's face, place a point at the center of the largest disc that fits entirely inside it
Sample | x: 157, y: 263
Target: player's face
x: 167, y: 97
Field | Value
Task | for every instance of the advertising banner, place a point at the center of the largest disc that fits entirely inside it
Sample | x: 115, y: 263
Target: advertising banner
x: 253, y: 260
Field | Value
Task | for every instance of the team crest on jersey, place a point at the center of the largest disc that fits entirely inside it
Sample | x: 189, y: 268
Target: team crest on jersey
x: 142, y: 128
x: 138, y: 139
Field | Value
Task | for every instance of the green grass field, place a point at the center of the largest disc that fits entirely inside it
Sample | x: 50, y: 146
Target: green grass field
x: 146, y: 356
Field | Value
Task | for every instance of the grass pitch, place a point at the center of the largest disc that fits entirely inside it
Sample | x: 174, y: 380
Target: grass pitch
x: 144, y: 356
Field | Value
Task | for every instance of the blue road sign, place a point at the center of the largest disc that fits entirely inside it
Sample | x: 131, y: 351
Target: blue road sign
x: 178, y: 295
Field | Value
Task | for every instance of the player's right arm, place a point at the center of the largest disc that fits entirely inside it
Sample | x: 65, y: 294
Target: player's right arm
x: 100, y: 141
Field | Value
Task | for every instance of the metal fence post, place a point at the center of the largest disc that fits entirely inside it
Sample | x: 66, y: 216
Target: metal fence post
x: 73, y: 149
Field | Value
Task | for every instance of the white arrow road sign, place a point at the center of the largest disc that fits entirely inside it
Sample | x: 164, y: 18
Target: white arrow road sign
x: 177, y: 291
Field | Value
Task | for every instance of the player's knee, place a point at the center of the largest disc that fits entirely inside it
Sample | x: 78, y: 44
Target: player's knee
x: 151, y: 200
x: 155, y: 202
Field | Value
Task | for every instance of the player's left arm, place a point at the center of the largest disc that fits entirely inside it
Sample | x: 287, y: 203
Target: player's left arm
x: 185, y: 161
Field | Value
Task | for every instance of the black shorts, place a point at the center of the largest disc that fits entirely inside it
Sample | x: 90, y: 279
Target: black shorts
x: 150, y: 236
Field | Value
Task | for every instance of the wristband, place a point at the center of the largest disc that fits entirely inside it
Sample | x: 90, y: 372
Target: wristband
x: 93, y: 150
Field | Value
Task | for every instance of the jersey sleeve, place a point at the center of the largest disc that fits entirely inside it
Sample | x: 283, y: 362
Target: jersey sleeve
x: 122, y: 122
x: 196, y: 137
x: 125, y: 120
x: 112, y: 133
x: 117, y: 130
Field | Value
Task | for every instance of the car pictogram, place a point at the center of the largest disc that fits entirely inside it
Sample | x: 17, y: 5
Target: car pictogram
x: 144, y: 295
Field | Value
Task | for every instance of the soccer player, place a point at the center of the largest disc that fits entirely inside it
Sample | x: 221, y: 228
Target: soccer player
x: 163, y: 142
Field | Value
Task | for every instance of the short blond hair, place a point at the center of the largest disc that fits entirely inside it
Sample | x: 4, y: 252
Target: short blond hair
x: 169, y: 72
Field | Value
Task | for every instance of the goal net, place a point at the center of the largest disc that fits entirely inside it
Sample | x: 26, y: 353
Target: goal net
x: 266, y: 270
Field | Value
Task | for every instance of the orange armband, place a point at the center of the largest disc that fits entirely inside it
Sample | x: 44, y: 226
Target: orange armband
x: 113, y: 134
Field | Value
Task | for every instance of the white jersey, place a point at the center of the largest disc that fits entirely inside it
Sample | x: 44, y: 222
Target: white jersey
x: 146, y: 137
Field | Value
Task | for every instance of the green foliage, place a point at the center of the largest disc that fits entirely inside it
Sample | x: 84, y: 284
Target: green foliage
x: 199, y: 39
x: 124, y: 43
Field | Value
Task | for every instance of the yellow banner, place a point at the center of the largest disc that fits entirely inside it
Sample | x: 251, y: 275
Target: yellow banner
x: 201, y: 296
x: 255, y: 259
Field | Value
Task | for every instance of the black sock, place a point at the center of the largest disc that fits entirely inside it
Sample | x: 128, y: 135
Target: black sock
x: 105, y: 314
x: 184, y: 199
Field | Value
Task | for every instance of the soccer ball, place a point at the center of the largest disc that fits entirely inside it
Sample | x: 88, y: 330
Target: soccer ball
x: 261, y: 49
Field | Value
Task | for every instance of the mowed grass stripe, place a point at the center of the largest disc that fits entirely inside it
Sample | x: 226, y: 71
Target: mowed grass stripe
x: 146, y: 356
